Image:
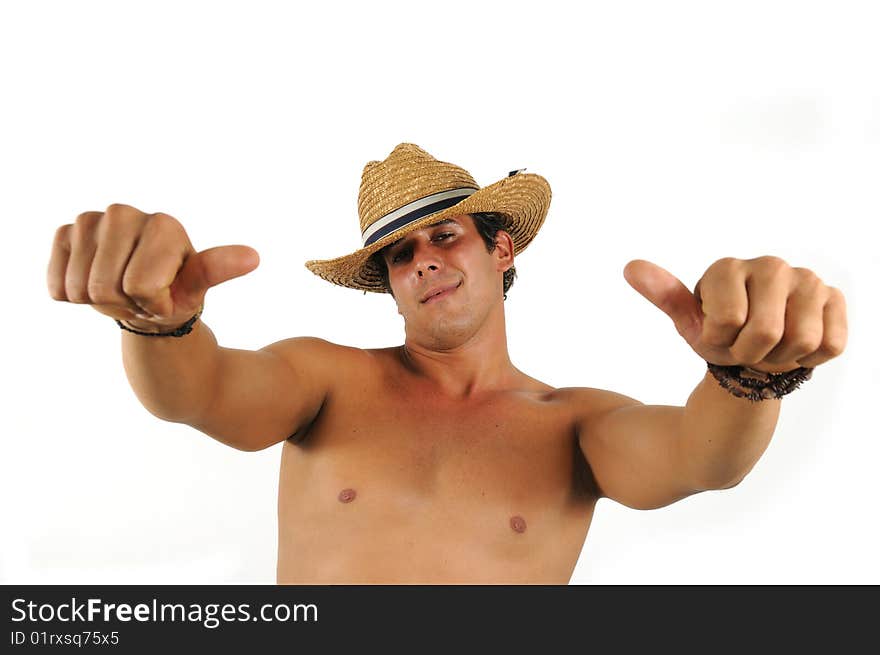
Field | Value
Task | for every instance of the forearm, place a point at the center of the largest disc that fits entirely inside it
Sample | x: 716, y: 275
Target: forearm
x: 724, y: 436
x: 174, y: 378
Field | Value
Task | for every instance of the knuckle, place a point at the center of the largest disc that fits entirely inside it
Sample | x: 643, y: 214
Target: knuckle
x: 766, y: 332
x: 102, y: 291
x: 118, y: 215
x: 726, y: 264
x: 76, y: 292
x: 772, y: 262
x: 807, y: 342
x: 768, y: 267
x: 807, y: 279
x: 63, y: 233
x: 85, y: 221
x: 87, y: 216
x: 56, y: 290
x: 112, y: 219
x: 834, y: 345
x: 836, y: 294
x: 164, y: 223
x: 119, y: 208
x: 139, y: 287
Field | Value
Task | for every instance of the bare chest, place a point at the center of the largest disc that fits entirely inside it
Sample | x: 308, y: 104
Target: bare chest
x: 399, y: 474
x: 511, y: 445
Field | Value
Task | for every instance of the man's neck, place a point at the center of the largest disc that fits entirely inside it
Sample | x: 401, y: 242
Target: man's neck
x: 481, y: 363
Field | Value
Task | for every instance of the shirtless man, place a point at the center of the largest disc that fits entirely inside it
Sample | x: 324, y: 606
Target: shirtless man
x: 439, y: 461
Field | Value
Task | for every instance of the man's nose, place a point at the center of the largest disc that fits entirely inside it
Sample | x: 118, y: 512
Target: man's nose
x: 426, y: 260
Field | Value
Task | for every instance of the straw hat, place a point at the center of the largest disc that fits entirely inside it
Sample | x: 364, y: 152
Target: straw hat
x: 410, y: 189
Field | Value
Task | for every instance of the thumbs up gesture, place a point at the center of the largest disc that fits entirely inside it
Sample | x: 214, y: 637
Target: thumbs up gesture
x: 760, y: 313
x: 137, y: 267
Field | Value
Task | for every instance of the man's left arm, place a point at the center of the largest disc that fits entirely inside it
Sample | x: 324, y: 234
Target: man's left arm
x: 724, y: 436
x: 760, y: 313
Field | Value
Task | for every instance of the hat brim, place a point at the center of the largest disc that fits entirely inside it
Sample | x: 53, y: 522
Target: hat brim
x: 523, y: 198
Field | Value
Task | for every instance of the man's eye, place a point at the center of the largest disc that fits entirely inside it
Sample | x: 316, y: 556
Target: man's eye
x: 396, y: 258
x: 440, y: 237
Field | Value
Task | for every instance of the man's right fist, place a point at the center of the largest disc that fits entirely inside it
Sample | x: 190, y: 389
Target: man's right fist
x: 137, y: 267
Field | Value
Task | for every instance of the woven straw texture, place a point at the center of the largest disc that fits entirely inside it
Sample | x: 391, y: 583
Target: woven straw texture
x: 410, y: 173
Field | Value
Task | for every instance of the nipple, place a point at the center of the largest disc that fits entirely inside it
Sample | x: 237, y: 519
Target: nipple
x: 517, y: 524
x: 347, y: 495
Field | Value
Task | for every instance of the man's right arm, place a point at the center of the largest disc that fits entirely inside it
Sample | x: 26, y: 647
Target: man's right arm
x: 246, y: 399
x: 142, y: 270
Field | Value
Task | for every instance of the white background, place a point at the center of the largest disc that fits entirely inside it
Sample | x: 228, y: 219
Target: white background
x: 678, y: 132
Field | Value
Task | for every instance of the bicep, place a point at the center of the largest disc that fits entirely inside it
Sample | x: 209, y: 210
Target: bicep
x: 263, y: 397
x: 635, y: 453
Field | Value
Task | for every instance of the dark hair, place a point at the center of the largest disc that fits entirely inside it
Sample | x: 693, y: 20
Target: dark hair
x: 487, y: 224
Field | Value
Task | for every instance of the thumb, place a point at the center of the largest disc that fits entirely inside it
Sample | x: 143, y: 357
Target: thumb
x: 668, y: 294
x: 208, y: 268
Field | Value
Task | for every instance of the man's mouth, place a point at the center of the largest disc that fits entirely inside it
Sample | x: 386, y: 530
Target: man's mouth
x: 439, y: 292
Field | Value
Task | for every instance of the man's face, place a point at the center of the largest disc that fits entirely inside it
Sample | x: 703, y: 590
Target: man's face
x: 445, y: 282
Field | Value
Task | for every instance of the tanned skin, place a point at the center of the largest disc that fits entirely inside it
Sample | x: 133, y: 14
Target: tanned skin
x: 438, y: 461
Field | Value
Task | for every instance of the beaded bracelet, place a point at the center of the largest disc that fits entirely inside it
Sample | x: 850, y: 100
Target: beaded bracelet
x: 745, y: 382
x: 183, y: 330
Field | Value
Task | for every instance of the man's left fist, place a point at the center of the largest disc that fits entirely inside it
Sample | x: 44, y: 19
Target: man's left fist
x: 760, y: 313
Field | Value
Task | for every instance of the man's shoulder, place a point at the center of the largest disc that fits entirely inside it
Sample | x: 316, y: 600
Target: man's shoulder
x: 591, y: 393
x: 304, y: 344
x: 318, y: 350
x: 581, y: 400
x: 591, y: 402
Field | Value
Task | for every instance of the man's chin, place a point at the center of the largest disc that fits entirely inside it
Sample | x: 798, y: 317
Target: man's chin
x: 442, y: 334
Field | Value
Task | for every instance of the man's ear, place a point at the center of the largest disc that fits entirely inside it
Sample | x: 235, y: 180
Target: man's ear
x: 503, y: 250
